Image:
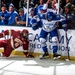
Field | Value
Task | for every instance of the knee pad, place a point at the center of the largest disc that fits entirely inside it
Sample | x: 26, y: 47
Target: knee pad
x: 54, y: 40
x: 43, y: 42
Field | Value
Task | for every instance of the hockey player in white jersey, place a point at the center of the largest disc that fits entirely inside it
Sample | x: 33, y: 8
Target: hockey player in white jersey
x: 49, y: 23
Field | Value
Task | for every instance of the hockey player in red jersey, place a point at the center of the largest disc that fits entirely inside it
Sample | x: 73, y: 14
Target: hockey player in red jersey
x: 18, y: 38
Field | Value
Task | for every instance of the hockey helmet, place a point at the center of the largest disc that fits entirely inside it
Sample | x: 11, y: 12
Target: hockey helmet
x: 49, y: 16
x: 24, y: 31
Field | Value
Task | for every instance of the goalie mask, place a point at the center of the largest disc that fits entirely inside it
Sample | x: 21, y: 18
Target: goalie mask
x: 24, y: 34
x: 49, y: 16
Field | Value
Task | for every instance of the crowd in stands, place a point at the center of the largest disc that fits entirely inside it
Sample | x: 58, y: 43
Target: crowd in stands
x: 9, y: 15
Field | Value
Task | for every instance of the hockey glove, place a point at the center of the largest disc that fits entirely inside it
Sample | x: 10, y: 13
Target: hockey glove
x: 34, y: 24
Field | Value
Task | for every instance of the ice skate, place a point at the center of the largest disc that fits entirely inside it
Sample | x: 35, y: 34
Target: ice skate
x: 45, y: 55
x: 56, y: 56
x: 29, y: 56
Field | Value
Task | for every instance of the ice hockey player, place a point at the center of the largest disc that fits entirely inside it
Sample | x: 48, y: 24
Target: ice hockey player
x: 49, y: 23
x: 18, y: 38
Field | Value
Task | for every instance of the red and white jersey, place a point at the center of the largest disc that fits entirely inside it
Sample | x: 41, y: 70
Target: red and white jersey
x: 16, y: 40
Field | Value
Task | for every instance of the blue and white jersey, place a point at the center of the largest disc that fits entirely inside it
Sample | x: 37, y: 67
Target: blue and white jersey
x: 46, y: 25
x: 49, y: 25
x: 53, y: 24
x: 36, y: 17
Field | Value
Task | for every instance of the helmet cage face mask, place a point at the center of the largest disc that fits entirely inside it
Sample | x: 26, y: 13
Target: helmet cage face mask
x: 49, y: 16
x: 24, y: 34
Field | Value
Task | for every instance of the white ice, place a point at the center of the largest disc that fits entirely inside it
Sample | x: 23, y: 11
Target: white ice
x: 35, y: 66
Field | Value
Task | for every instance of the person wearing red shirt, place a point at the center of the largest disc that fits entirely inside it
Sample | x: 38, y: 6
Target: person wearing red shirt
x: 18, y: 38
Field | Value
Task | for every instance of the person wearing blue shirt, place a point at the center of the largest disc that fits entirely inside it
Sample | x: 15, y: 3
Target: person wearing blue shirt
x: 12, y: 15
x: 21, y: 18
x: 4, y: 15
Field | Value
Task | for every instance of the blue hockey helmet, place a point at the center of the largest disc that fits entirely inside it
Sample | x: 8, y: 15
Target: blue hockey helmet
x: 49, y: 16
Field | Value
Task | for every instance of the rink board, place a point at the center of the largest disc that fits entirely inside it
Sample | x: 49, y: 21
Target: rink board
x: 35, y: 45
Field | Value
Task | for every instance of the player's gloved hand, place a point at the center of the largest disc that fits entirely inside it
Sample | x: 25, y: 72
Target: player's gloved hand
x: 34, y: 24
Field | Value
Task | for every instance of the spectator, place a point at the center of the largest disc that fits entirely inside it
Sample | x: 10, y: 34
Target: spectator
x: 13, y: 14
x: 68, y: 2
x: 4, y: 15
x: 70, y: 17
x: 21, y: 19
x: 43, y: 6
x: 53, y: 7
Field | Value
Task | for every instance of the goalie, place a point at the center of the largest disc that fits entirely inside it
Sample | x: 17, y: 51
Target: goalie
x: 18, y: 38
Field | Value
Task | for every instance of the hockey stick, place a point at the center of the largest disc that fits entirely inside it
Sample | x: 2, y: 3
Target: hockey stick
x: 68, y: 57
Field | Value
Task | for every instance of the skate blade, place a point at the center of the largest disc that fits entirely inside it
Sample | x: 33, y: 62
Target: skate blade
x: 59, y: 57
x: 55, y: 58
x: 67, y: 60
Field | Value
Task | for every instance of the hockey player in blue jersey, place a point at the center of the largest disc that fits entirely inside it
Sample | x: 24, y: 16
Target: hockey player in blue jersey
x: 32, y: 16
x: 49, y: 26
